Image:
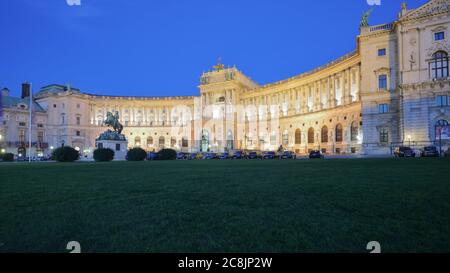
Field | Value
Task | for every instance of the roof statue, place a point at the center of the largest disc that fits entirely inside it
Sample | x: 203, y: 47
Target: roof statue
x: 365, y: 18
x: 219, y: 66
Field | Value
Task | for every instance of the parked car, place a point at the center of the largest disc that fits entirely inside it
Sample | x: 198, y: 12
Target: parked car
x: 181, y: 156
x: 152, y: 156
x: 253, y: 155
x: 430, y: 151
x: 199, y: 156
x: 210, y: 156
x: 447, y: 153
x: 224, y: 156
x: 191, y: 156
x: 238, y: 155
x: 316, y: 154
x: 287, y: 155
x: 404, y: 152
x: 268, y: 155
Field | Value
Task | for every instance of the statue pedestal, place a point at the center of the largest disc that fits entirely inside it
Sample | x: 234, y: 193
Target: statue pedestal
x: 114, y: 141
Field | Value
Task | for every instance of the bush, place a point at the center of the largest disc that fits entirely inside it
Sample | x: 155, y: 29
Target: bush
x: 65, y: 154
x: 167, y: 154
x: 103, y: 154
x: 8, y: 157
x: 136, y: 154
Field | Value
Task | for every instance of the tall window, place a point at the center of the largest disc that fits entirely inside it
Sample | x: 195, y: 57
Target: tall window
x: 78, y: 120
x: 384, y: 135
x: 298, y: 137
x: 285, y: 138
x: 324, y: 134
x: 184, y: 142
x: 137, y: 141
x: 173, y: 142
x: 311, y: 136
x: 382, y: 82
x: 149, y: 141
x: 439, y: 65
x: 339, y: 133
x: 22, y: 135
x: 354, y: 131
x: 439, y: 36
x: 162, y: 141
x: 383, y: 108
x: 441, y: 100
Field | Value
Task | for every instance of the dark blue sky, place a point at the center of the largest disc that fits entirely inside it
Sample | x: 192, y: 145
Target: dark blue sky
x: 161, y: 47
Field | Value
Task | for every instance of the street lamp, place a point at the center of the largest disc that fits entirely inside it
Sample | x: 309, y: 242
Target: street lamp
x: 409, y: 140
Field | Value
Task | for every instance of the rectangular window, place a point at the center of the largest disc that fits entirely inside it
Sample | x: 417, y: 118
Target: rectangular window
x: 78, y: 120
x: 22, y: 135
x: 22, y: 124
x: 382, y: 82
x: 117, y: 146
x: 441, y: 100
x: 384, y: 136
x: 40, y: 136
x: 383, y: 108
x: 382, y: 52
x: 78, y: 133
x: 438, y: 36
x: 40, y: 125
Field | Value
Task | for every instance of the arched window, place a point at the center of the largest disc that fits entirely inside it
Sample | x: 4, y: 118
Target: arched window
x: 439, y: 65
x: 311, y: 135
x: 137, y: 141
x: 161, y: 141
x: 173, y: 142
x: 149, y: 141
x: 324, y: 134
x: 354, y: 131
x: 338, y: 133
x: 298, y: 136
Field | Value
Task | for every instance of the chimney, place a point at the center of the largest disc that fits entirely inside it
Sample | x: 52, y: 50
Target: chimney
x: 5, y: 92
x: 25, y: 90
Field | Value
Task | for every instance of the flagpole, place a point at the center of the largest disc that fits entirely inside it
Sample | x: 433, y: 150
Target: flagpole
x: 29, y: 131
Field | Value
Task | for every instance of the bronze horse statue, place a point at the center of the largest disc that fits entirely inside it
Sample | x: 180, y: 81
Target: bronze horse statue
x: 113, y: 121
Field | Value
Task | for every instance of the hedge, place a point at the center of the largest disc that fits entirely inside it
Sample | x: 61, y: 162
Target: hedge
x: 167, y: 154
x: 136, y: 154
x: 65, y: 154
x: 103, y: 154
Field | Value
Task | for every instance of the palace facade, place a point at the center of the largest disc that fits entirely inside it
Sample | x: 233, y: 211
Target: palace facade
x: 392, y: 90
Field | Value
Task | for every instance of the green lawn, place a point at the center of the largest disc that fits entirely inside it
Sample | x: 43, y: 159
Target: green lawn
x: 227, y: 206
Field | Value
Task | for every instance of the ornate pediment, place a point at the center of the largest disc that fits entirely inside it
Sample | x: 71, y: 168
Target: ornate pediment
x: 438, y: 46
x: 431, y: 8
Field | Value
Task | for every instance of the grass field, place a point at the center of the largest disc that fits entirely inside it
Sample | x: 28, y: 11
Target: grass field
x: 227, y: 206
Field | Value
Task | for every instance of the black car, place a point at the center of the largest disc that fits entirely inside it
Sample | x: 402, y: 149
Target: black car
x: 430, y: 151
x: 268, y: 155
x: 287, y: 155
x: 404, y: 152
x: 238, y: 155
x: 252, y: 155
x: 210, y: 156
x: 315, y: 154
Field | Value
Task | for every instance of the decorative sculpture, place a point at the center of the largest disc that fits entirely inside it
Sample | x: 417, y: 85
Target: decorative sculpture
x: 365, y: 18
x: 113, y: 121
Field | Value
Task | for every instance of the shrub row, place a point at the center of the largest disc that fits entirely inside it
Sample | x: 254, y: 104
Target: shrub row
x: 65, y: 154
x: 103, y: 154
x: 8, y: 157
